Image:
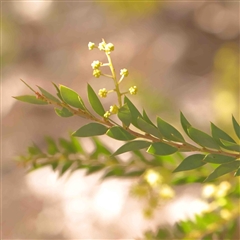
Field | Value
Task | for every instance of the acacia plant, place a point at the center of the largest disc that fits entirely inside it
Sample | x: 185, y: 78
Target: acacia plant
x: 213, y: 155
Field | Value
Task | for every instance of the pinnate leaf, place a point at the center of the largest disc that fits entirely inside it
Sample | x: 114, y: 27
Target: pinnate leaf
x: 120, y: 133
x: 148, y: 128
x: 202, y: 138
x: 222, y: 170
x: 191, y: 162
x: 31, y: 99
x: 168, y: 131
x: 90, y: 130
x: 95, y: 102
x: 219, y: 159
x: 71, y: 97
x: 132, y: 146
x: 217, y: 134
x: 159, y: 148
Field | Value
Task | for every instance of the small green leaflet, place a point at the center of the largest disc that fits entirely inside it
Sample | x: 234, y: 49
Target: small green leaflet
x: 58, y: 91
x: 237, y: 173
x: 168, y: 131
x: 48, y: 95
x: 28, y: 86
x: 148, y: 128
x: 217, y: 158
x: 202, y: 138
x: 71, y: 97
x: 159, y: 148
x: 230, y: 146
x: 146, y: 118
x: 191, y: 162
x: 90, y: 130
x: 120, y: 133
x: 64, y: 112
x: 51, y: 145
x: 185, y: 123
x: 30, y: 99
x: 95, y: 102
x: 132, y: 146
x: 124, y: 115
x: 133, y: 110
x: 217, y: 134
x: 236, y: 127
x: 222, y: 170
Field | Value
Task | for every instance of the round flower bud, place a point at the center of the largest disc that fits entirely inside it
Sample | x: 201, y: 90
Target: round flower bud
x: 101, y: 46
x: 96, y: 64
x: 113, y: 109
x: 91, y: 45
x: 107, y: 114
x: 103, y: 92
x: 124, y: 72
x: 96, y: 73
x: 109, y: 47
x: 133, y: 90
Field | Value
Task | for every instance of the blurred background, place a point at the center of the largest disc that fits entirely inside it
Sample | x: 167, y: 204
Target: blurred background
x: 181, y: 55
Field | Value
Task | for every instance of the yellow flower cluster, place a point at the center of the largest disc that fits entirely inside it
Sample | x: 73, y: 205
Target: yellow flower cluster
x: 133, y: 90
x: 103, y: 92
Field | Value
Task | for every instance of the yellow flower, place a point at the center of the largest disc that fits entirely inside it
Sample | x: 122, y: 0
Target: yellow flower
x: 96, y: 64
x: 101, y: 46
x: 124, y: 72
x: 103, y: 92
x: 96, y: 73
x: 109, y: 48
x: 133, y: 90
x: 107, y: 114
x: 113, y: 109
x: 91, y: 45
x: 166, y: 192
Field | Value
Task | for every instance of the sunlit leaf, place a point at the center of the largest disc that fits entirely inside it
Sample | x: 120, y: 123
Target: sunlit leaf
x: 236, y: 126
x: 90, y: 130
x: 124, y: 115
x: 119, y: 133
x: 168, y: 131
x: 115, y: 171
x: 191, y: 162
x: 95, y: 102
x: 71, y: 97
x: 148, y: 128
x: 237, y: 173
x: 159, y: 148
x: 48, y: 95
x: 31, y: 99
x: 64, y: 112
x: 51, y: 145
x: 132, y: 146
x: 65, y: 167
x: 217, y: 158
x: 58, y: 91
x: 202, y: 138
x: 222, y: 170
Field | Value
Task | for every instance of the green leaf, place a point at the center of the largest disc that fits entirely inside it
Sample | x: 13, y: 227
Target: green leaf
x: 217, y: 134
x: 135, y: 173
x: 52, y: 147
x: 58, y: 91
x: 147, y: 119
x: 95, y: 102
x: 90, y: 130
x: 217, y: 158
x: 64, y: 112
x: 191, y: 162
x: 202, y: 138
x: 185, y: 124
x: 230, y: 146
x: 34, y: 150
x: 71, y: 97
x: 65, y: 167
x: 133, y: 110
x: 159, y: 148
x: 113, y: 172
x: 48, y: 95
x: 124, y: 115
x: 31, y: 99
x: 148, y: 128
x: 222, y: 170
x: 132, y: 146
x: 93, y: 169
x: 120, y: 133
x: 236, y: 126
x: 237, y: 173
x: 67, y: 146
x: 76, y: 146
x: 168, y: 131
x: 28, y: 86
